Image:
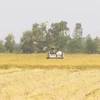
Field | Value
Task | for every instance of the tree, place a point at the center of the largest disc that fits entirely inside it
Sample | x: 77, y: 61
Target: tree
x: 17, y: 48
x: 27, y: 45
x: 91, y: 46
x: 73, y: 46
x: 39, y: 36
x: 78, y: 31
x: 33, y: 41
x: 57, y: 35
x: 77, y: 38
x: 2, y: 47
x: 10, y: 43
x: 97, y: 44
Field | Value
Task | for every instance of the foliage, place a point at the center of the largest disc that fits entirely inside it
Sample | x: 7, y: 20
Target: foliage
x: 76, y: 43
x: 39, y: 36
x: 57, y: 35
x: 2, y: 47
x: 10, y: 43
x: 91, y: 45
x: 27, y: 45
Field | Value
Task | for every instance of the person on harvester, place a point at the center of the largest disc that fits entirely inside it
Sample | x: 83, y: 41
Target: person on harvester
x: 53, y: 51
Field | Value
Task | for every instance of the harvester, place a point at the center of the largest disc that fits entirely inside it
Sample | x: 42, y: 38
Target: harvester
x: 53, y: 54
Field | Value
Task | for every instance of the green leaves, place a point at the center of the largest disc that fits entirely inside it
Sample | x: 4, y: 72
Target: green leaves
x: 57, y: 35
x: 2, y: 47
x: 10, y: 43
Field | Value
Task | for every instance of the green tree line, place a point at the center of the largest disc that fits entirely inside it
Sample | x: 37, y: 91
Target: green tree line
x: 40, y: 38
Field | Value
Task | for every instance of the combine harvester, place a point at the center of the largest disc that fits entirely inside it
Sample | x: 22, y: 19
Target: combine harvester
x: 55, y: 55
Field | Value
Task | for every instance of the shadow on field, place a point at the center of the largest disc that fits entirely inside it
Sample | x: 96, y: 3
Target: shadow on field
x: 50, y: 66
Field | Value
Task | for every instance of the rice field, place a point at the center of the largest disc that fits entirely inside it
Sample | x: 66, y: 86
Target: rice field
x: 33, y: 77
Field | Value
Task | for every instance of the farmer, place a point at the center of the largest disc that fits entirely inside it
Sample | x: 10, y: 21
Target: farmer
x: 53, y: 51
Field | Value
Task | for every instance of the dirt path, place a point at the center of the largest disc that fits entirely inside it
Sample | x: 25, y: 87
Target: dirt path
x: 50, y: 84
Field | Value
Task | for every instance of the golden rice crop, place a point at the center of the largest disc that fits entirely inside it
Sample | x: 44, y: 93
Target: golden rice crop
x: 40, y: 61
x: 52, y: 84
x: 33, y: 77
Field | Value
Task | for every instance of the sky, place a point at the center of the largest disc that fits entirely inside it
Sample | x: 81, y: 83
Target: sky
x: 17, y: 16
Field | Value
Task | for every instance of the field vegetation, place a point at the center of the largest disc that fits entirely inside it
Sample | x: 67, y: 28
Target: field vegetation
x: 39, y: 61
x: 33, y: 77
